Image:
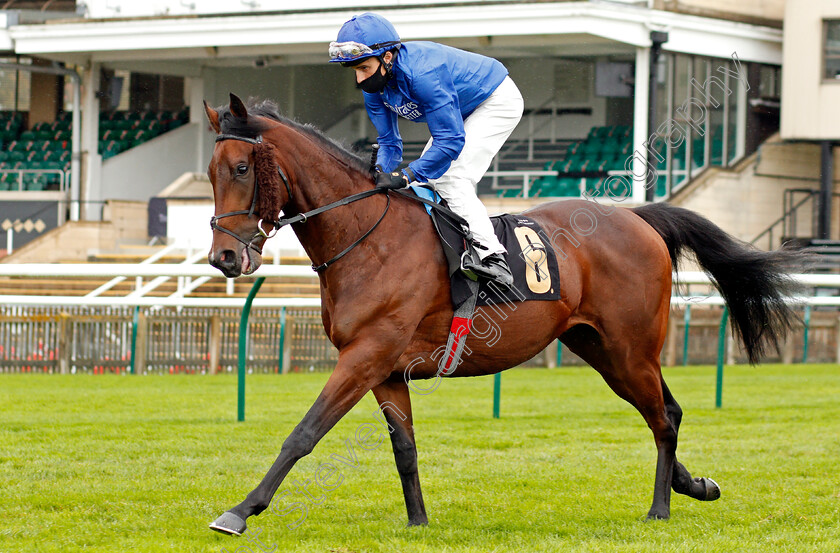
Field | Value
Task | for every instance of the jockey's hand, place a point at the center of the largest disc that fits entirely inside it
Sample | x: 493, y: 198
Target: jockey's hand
x: 391, y: 181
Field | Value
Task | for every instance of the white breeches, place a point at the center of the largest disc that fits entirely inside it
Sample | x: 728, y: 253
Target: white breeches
x: 486, y: 130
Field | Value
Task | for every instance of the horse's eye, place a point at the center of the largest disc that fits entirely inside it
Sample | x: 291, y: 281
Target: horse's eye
x: 241, y: 169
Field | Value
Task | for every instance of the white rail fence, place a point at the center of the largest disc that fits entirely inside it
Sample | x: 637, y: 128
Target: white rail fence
x: 213, y: 317
x: 204, y: 271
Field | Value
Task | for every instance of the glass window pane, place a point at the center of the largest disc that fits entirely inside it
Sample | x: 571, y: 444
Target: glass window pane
x: 831, y: 53
x: 681, y: 93
x: 716, y: 129
x: 699, y: 128
x: 657, y: 151
x: 14, y: 86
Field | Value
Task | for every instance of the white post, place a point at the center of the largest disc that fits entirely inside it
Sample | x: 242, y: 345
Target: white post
x: 90, y: 140
x: 741, y: 121
x: 9, y: 238
x: 194, y: 96
x: 76, y: 154
x: 641, y: 132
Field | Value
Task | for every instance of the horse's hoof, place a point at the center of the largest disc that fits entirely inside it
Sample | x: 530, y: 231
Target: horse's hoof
x: 712, y: 489
x: 229, y: 523
x: 658, y: 515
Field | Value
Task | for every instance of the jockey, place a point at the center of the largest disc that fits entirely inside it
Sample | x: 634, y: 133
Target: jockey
x: 468, y: 101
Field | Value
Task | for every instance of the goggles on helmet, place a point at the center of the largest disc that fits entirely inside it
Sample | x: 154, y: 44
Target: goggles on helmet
x: 349, y: 50
x: 352, y: 51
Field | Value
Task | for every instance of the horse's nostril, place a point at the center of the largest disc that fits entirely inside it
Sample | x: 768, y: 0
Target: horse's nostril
x: 228, y: 257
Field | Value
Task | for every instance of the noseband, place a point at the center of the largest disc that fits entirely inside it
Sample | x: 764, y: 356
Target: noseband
x: 250, y: 211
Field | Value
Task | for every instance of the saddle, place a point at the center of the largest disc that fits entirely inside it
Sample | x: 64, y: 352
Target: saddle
x: 533, y: 265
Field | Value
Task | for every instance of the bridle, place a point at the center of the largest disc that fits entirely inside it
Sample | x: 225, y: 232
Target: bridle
x: 250, y: 211
x: 299, y: 218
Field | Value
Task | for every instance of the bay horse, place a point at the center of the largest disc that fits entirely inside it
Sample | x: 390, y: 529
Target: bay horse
x: 385, y: 291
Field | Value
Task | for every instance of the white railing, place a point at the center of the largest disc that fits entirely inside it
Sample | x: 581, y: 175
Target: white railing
x: 811, y: 280
x: 155, y: 270
x: 525, y: 175
x: 62, y: 178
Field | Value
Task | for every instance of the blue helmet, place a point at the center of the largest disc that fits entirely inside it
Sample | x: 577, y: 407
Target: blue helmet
x: 364, y: 36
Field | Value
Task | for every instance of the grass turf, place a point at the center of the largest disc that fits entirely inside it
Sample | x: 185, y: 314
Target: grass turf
x: 116, y: 464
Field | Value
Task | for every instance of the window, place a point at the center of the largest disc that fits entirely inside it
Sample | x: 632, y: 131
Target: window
x: 14, y: 86
x: 831, y: 52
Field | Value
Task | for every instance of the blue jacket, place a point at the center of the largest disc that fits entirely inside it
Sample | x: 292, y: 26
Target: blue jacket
x: 440, y: 86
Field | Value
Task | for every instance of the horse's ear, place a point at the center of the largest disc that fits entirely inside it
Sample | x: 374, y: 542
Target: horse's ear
x: 237, y: 108
x: 213, y: 117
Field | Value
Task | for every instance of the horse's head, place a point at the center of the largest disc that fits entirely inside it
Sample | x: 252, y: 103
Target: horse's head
x: 247, y: 190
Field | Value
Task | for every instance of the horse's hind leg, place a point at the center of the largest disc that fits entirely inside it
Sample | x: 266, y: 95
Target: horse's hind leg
x: 395, y: 403
x: 635, y: 377
x: 703, y: 489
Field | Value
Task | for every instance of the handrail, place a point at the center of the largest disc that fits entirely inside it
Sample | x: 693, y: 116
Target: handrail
x: 511, y: 146
x: 790, y: 212
x: 62, y: 178
x: 116, y: 280
x: 123, y: 269
x: 780, y: 220
x: 137, y: 270
x: 157, y: 281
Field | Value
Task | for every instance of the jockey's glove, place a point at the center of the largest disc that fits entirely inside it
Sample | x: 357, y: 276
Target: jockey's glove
x: 392, y: 180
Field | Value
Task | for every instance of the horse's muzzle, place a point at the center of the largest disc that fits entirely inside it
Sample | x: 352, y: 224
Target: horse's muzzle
x: 227, y: 262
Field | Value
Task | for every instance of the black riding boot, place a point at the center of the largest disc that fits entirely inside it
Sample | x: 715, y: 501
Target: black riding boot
x: 494, y: 268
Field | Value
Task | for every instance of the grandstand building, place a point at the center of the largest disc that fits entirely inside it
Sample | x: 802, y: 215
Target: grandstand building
x: 730, y: 109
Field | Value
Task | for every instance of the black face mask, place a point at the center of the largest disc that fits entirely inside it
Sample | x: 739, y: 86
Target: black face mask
x: 376, y: 82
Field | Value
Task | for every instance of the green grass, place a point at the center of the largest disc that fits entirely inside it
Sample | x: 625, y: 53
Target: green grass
x: 118, y: 464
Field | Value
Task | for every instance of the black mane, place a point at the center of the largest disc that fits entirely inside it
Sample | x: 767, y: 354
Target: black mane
x: 253, y: 127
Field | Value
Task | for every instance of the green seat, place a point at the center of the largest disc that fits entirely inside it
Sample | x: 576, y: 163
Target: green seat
x: 34, y: 181
x: 592, y: 147
x: 510, y: 193
x: 594, y: 185
x: 617, y: 164
x: 543, y: 185
x: 28, y: 135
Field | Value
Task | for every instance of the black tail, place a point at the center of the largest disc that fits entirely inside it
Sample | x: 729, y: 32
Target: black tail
x: 754, y: 283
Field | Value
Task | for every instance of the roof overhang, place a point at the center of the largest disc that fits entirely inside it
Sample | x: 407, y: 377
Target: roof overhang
x: 503, y: 30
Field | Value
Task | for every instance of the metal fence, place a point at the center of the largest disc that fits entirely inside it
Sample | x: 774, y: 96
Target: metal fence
x: 97, y: 340
x: 190, y: 340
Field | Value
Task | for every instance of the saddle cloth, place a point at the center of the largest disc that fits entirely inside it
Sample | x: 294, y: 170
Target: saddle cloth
x: 533, y: 264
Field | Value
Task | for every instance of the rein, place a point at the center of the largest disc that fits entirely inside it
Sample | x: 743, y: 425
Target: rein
x: 303, y: 217
x: 299, y: 218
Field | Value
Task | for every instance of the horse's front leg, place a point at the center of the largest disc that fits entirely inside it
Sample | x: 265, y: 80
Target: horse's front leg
x: 359, y: 368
